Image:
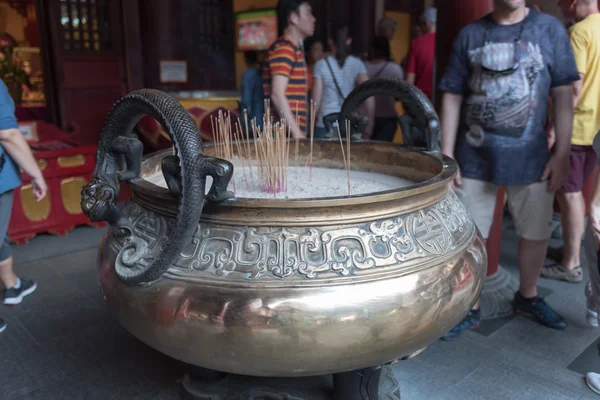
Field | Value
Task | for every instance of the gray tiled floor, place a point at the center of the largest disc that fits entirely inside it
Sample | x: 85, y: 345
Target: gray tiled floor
x: 61, y: 344
x: 519, y: 360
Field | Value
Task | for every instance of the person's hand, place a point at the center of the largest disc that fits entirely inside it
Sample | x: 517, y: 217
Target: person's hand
x: 551, y: 136
x: 457, y: 181
x: 40, y: 188
x: 556, y: 171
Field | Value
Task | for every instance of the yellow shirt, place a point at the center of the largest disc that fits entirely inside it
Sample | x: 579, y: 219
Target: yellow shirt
x: 585, y: 41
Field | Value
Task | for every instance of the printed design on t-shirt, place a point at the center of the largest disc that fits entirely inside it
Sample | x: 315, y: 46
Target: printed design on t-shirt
x: 501, y: 101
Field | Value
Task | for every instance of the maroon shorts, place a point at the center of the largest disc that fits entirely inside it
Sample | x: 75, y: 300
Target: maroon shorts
x: 583, y: 161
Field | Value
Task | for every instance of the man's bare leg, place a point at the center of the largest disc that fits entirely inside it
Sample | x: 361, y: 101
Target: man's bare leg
x: 531, y: 260
x: 531, y: 256
x: 572, y: 211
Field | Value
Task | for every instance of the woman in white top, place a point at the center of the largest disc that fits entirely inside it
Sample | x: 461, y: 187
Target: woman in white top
x: 334, y: 77
x: 386, y: 116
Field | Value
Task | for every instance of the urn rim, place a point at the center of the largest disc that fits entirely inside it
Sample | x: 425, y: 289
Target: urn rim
x: 446, y: 169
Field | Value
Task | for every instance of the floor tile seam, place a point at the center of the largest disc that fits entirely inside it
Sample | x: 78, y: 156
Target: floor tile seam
x: 49, y: 259
x: 42, y: 348
x: 543, y: 381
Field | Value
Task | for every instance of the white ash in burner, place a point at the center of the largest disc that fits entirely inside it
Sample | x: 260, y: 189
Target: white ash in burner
x: 324, y: 182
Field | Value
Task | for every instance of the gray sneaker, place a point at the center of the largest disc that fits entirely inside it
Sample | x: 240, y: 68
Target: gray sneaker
x: 14, y: 296
x: 592, y: 309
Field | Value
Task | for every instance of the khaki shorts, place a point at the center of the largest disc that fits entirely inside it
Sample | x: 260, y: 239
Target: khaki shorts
x: 530, y: 207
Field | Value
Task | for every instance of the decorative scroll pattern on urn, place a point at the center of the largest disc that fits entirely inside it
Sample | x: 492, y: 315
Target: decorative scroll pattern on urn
x: 309, y: 253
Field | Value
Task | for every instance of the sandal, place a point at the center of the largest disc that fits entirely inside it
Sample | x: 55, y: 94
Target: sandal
x: 558, y: 272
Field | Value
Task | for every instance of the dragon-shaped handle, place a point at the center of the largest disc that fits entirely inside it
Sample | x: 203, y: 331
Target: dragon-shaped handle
x: 118, y: 159
x: 416, y: 103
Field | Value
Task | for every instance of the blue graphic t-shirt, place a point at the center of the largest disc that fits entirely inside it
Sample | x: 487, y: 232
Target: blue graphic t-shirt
x: 505, y: 73
x: 10, y: 177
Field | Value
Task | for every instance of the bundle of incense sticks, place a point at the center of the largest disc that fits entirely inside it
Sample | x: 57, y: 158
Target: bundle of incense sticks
x: 269, y: 153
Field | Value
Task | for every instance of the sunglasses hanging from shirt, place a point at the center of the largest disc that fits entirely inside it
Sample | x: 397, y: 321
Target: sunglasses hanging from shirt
x: 500, y: 61
x: 491, y: 60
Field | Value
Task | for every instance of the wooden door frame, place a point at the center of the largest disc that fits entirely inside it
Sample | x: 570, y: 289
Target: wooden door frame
x: 132, y: 44
x: 47, y: 59
x: 51, y: 41
x: 48, y: 62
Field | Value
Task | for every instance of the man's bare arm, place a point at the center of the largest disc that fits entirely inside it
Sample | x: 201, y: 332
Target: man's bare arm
x: 562, y: 100
x: 451, y: 104
x: 317, y: 93
x: 410, y: 78
x: 577, y: 87
x: 557, y: 169
x: 279, y: 84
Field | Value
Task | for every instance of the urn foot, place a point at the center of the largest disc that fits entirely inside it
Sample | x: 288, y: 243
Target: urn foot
x: 376, y: 383
x: 368, y: 384
x: 497, y: 295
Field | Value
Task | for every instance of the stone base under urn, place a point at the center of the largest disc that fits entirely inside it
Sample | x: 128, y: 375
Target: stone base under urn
x: 367, y: 384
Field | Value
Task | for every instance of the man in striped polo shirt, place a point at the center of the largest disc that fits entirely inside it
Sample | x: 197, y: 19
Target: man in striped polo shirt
x: 284, y: 74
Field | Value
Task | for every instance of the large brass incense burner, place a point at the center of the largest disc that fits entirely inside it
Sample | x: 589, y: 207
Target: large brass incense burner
x: 276, y: 287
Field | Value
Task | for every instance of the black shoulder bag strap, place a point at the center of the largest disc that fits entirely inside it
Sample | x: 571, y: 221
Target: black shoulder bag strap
x: 335, y: 80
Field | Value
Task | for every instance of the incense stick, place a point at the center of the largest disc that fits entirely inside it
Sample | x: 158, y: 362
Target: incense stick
x: 287, y: 157
x: 348, y: 145
x: 342, y: 145
x: 312, y: 135
x: 215, y: 138
x: 248, y: 142
x: 297, y: 117
x: 256, y: 133
x: 243, y: 149
x: 228, y: 145
x: 240, y: 155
